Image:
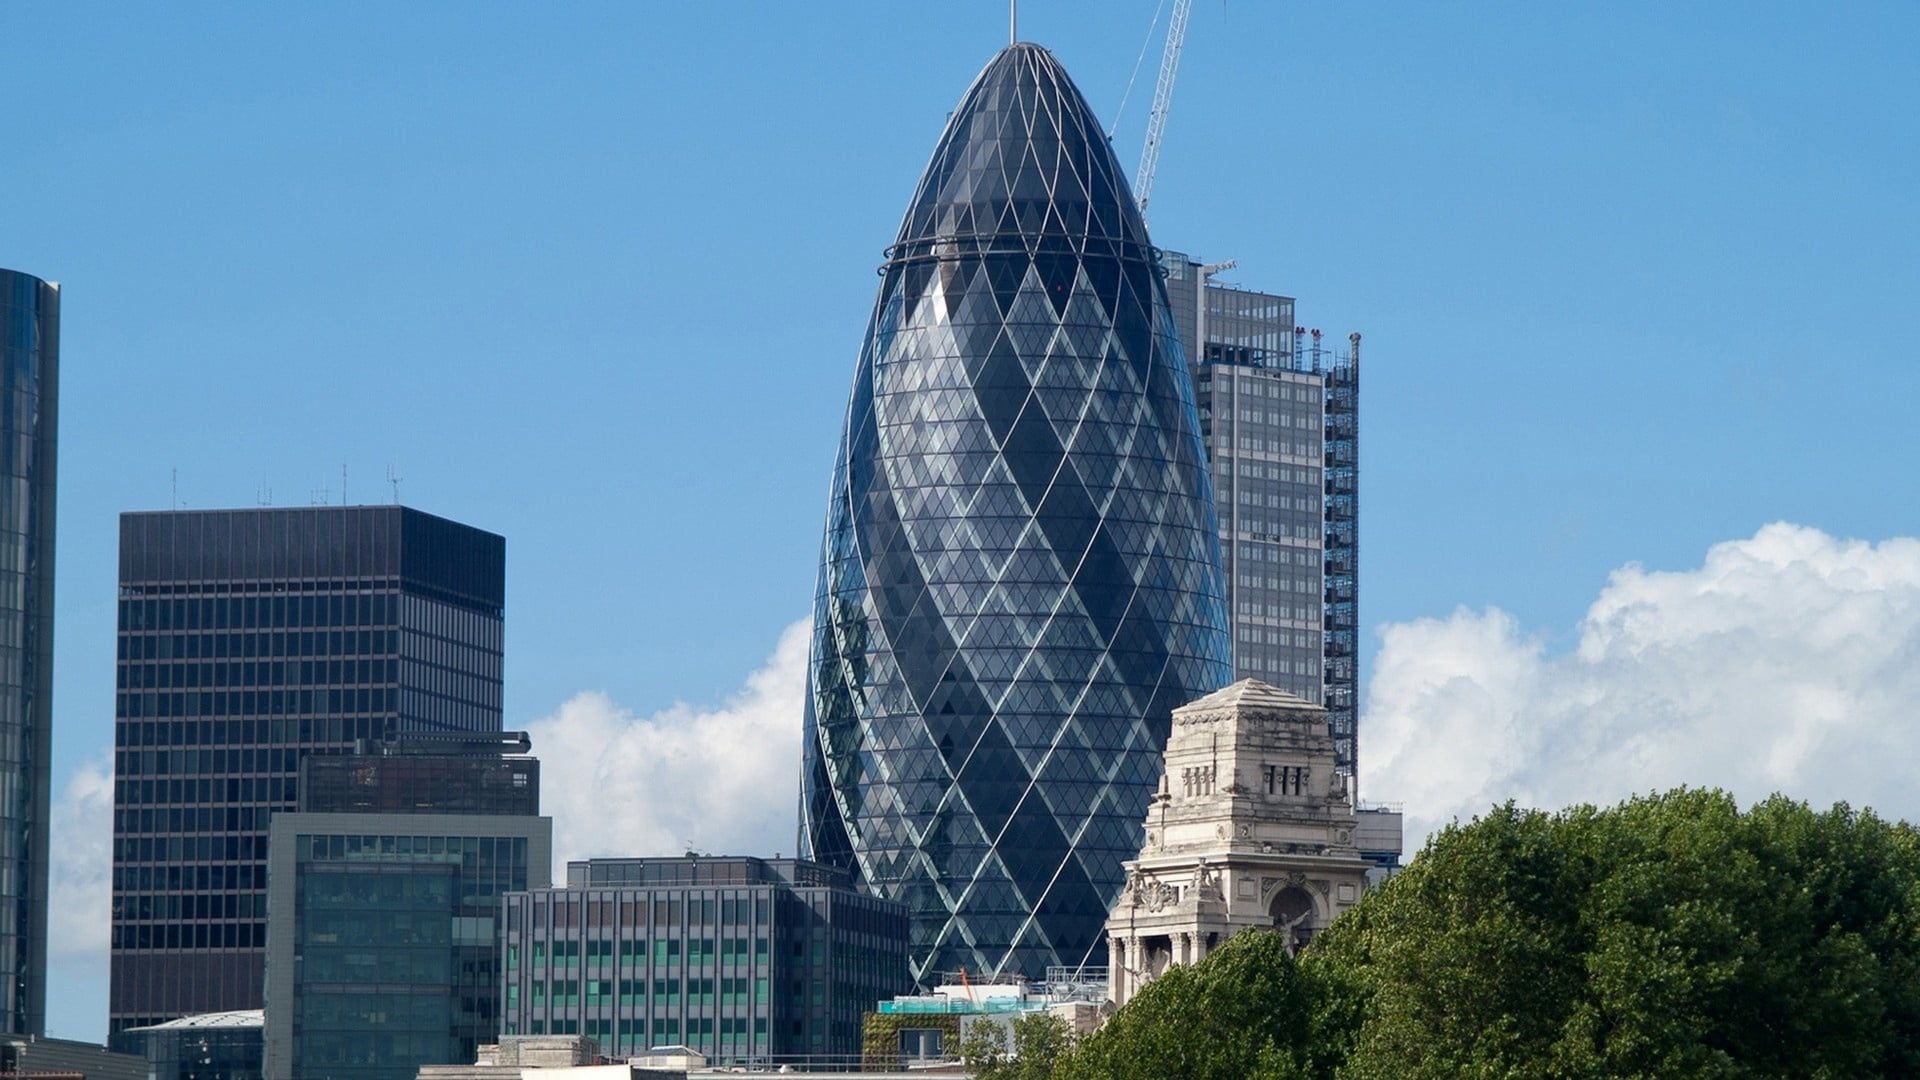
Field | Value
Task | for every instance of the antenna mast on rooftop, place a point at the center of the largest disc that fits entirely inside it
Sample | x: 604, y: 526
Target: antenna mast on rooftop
x: 1162, y: 101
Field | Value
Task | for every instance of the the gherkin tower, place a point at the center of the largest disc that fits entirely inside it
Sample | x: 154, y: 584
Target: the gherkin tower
x: 1020, y: 578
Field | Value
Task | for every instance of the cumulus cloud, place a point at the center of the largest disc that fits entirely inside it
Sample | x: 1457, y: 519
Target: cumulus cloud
x: 1787, y: 661
x: 724, y: 779
x: 81, y: 867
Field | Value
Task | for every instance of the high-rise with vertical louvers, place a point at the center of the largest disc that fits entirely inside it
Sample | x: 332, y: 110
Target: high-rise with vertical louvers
x: 248, y: 641
x: 1020, y: 577
x: 29, y: 380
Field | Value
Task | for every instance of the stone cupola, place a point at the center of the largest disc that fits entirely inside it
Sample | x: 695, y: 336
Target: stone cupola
x: 1251, y: 828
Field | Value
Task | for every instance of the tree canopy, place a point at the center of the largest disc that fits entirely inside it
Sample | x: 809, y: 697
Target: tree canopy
x: 1672, y: 935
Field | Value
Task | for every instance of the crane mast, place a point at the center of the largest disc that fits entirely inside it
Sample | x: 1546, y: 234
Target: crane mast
x: 1162, y: 101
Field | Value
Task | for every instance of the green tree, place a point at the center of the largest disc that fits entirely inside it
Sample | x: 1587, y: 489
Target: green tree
x: 1040, y: 1040
x: 1241, y: 1013
x: 1672, y: 935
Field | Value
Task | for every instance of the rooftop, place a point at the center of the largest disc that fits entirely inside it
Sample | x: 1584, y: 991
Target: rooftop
x: 1248, y: 694
x: 236, y: 1018
x: 702, y: 870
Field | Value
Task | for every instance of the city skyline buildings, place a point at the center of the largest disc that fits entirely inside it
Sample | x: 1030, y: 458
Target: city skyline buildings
x: 1279, y: 411
x: 249, y: 639
x: 1354, y: 140
x: 1020, y: 576
x: 29, y: 421
x: 743, y: 958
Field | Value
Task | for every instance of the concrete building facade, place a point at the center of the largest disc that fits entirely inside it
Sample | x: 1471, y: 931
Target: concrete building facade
x: 1253, y: 828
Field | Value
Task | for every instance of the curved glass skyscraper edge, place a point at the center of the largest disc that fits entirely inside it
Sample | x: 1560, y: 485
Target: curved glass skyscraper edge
x: 1020, y: 576
x: 29, y: 392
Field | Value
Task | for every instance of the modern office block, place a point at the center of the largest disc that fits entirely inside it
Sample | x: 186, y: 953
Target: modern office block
x: 1279, y: 410
x: 743, y: 959
x: 248, y: 641
x: 29, y: 414
x: 207, y: 1046
x: 382, y: 937
x: 1020, y: 577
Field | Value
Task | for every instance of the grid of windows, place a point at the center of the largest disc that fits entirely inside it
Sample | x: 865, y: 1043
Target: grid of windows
x: 1263, y: 432
x: 1279, y: 410
x: 1019, y: 578
x: 249, y: 639
x: 392, y: 956
x: 769, y: 964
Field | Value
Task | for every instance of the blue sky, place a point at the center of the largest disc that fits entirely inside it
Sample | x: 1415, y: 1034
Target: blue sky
x: 1633, y: 279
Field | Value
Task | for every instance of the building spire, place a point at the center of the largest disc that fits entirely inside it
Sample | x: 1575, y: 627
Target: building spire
x: 1013, y: 22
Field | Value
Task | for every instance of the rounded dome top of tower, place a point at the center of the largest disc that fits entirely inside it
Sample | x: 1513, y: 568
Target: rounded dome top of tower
x: 1023, y: 161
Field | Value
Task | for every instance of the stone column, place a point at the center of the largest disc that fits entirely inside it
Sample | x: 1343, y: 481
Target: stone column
x: 1116, y: 969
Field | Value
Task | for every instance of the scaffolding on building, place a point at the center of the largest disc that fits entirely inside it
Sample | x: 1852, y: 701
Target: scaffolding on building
x: 1341, y: 546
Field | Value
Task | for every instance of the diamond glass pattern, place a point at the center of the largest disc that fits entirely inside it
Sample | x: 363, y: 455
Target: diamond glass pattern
x: 1020, y: 577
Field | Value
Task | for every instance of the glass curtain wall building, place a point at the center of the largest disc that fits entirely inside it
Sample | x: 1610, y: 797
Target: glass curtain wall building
x: 383, y: 945
x: 746, y: 960
x: 29, y: 411
x: 1020, y: 577
x: 249, y: 640
x: 212, y: 1046
x: 1280, y: 413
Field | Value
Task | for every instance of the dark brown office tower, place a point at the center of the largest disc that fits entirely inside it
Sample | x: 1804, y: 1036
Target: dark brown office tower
x: 249, y: 640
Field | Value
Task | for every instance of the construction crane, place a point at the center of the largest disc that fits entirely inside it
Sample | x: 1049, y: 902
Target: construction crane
x: 1162, y: 101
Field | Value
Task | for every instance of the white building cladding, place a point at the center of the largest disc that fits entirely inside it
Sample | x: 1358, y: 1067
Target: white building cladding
x: 1020, y: 577
x: 1253, y: 828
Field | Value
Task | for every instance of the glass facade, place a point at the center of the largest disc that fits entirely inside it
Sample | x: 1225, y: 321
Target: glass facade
x: 249, y: 640
x: 1279, y: 411
x: 1020, y: 577
x: 216, y: 1046
x: 408, y: 783
x: 742, y: 959
x: 29, y: 408
x: 383, y: 954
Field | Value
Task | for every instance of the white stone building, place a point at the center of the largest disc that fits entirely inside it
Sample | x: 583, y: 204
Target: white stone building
x: 1251, y: 828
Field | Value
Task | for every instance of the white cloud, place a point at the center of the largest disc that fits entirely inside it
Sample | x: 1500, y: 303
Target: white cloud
x: 723, y: 779
x: 82, y: 864
x: 1788, y: 661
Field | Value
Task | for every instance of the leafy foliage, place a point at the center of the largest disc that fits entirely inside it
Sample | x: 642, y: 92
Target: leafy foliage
x: 1040, y: 1040
x: 1235, y: 1015
x: 1672, y: 935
